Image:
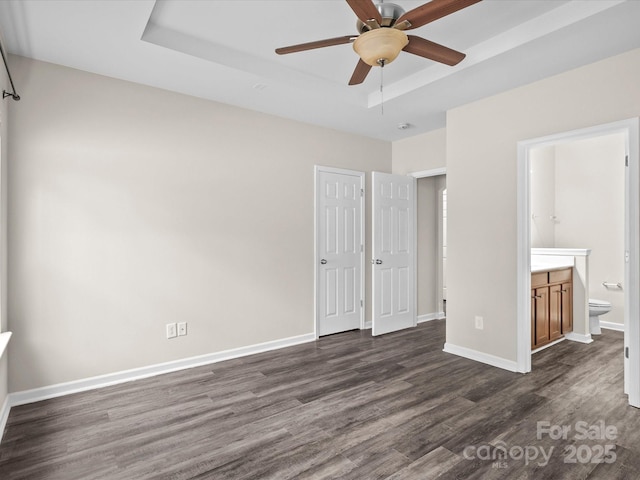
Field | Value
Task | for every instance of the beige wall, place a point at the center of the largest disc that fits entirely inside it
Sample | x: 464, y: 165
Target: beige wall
x: 590, y: 210
x: 132, y: 207
x: 429, y: 240
x: 481, y: 185
x: 422, y: 152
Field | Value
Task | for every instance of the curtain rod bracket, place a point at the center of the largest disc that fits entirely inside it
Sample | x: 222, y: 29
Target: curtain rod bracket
x: 6, y: 94
x: 13, y: 93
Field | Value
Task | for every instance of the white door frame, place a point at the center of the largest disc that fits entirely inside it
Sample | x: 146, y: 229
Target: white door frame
x: 435, y: 172
x: 316, y: 213
x: 631, y: 128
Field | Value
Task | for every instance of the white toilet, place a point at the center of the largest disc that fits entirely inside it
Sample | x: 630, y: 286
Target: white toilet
x: 597, y: 308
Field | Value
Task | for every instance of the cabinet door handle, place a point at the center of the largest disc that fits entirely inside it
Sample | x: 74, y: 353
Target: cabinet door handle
x: 537, y: 296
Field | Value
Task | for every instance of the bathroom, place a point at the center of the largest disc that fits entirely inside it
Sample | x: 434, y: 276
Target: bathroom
x: 578, y: 202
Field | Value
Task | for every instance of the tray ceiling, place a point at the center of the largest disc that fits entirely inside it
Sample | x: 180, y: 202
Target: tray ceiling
x: 224, y: 51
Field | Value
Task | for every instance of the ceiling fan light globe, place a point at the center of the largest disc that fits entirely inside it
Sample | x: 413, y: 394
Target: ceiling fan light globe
x: 380, y: 46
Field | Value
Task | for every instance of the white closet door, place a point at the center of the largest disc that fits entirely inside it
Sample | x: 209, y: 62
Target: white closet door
x: 339, y: 250
x: 394, y: 289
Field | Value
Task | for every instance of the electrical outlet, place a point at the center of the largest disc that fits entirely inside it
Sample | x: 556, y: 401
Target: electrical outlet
x: 479, y: 322
x: 172, y: 330
x: 182, y: 328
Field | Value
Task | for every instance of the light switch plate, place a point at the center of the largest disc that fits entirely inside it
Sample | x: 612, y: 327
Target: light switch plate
x: 172, y: 330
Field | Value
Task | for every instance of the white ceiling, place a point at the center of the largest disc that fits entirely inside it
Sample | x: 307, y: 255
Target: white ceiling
x: 224, y: 51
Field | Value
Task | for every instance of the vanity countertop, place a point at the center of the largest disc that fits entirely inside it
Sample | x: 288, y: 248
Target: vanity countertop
x: 542, y: 267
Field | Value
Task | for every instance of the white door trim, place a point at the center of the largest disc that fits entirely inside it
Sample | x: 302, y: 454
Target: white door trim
x: 316, y: 272
x: 434, y: 172
x: 631, y: 128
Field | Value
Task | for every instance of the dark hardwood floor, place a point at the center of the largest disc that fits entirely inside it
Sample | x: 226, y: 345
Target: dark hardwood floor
x: 348, y: 406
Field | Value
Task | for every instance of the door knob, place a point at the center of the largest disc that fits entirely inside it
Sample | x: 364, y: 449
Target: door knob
x: 323, y: 261
x: 377, y: 261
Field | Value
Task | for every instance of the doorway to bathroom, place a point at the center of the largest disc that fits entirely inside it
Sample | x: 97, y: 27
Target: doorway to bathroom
x: 577, y: 202
x: 551, y: 218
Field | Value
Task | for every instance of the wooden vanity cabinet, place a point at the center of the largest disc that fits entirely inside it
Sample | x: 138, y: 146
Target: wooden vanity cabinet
x: 555, y: 312
x: 551, y: 306
x: 567, y: 307
x: 540, y: 316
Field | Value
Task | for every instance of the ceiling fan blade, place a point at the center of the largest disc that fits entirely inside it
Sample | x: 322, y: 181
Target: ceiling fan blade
x: 365, y: 10
x: 317, y: 44
x: 431, y: 11
x: 360, y: 73
x: 433, y: 51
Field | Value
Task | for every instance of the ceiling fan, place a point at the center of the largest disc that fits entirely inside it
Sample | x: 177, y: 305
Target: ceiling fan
x: 382, y: 37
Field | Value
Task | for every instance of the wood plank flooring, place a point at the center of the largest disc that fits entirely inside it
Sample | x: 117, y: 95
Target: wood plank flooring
x: 348, y: 406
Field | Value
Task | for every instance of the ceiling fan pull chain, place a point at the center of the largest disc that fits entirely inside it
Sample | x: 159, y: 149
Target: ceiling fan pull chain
x: 381, y: 86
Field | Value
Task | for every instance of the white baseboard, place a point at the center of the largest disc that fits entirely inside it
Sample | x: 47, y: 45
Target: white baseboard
x: 544, y: 347
x: 51, y: 391
x: 481, y: 357
x: 427, y: 317
x: 618, y: 327
x: 578, y: 337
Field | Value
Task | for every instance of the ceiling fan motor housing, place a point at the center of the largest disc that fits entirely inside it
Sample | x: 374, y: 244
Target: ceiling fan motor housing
x: 390, y: 13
